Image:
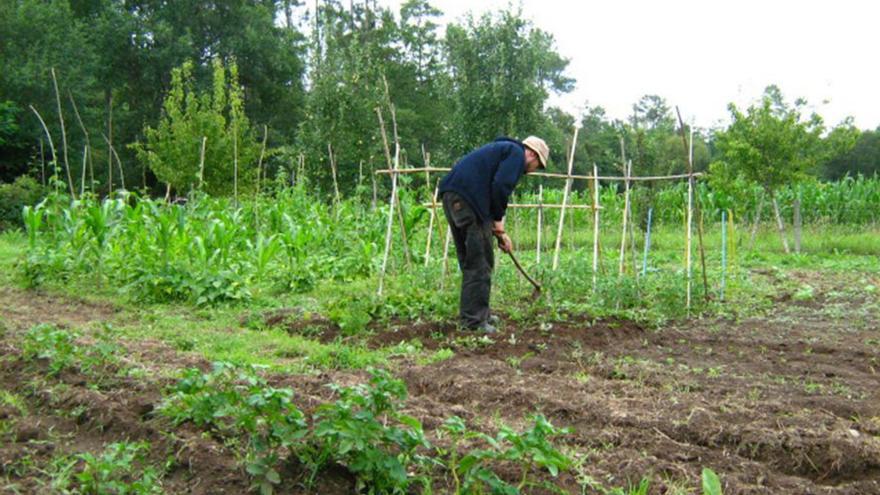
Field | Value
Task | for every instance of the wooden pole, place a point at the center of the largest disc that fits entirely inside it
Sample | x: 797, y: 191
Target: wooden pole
x: 63, y: 135
x: 779, y: 223
x: 626, y: 172
x: 260, y: 161
x: 49, y: 138
x: 690, y: 164
x: 202, y: 163
x: 433, y: 215
x: 798, y: 222
x: 333, y: 171
x: 42, y: 163
x: 394, y: 171
x: 595, y: 224
x: 118, y: 161
x: 564, y: 200
x: 82, y: 182
x: 540, y: 223
x: 557, y: 176
x: 88, y: 142
x: 388, y: 231
x: 235, y: 164
x: 109, y: 153
x: 687, y: 249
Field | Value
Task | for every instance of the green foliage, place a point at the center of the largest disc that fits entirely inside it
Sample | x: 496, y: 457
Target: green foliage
x: 53, y: 344
x: 122, y: 469
x: 770, y: 144
x: 25, y: 191
x: 173, y: 149
x: 237, y: 401
x: 517, y: 67
x: 364, y: 431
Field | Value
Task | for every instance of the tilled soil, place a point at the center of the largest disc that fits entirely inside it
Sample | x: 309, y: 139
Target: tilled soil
x: 784, y: 403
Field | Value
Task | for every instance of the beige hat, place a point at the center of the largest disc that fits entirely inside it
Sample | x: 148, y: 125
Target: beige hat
x: 538, y: 145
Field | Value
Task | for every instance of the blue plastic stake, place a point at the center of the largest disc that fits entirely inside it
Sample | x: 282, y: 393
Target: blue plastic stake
x: 647, y: 243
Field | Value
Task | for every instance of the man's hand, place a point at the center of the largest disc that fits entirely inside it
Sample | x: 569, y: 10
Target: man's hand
x: 504, y: 242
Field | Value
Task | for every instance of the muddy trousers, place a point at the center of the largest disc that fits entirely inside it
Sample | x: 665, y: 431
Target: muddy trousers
x: 476, y: 259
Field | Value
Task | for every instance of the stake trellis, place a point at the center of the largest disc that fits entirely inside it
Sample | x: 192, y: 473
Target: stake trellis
x: 394, y: 171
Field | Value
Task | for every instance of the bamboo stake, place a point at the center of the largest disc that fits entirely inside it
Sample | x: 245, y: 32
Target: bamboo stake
x: 88, y: 143
x: 49, y: 137
x: 647, y: 243
x: 118, y: 161
x: 723, y: 252
x: 394, y: 171
x: 626, y: 171
x: 797, y: 223
x: 235, y: 164
x: 110, y: 154
x: 540, y: 223
x: 565, y: 200
x: 687, y: 249
x: 432, y: 214
x: 333, y: 171
x: 732, y: 242
x: 202, y: 163
x: 595, y: 224
x: 42, y: 163
x: 260, y: 161
x: 690, y: 164
x: 446, y: 252
x: 375, y: 188
x: 63, y: 134
x: 779, y: 223
x: 388, y: 231
x: 82, y: 182
x: 648, y: 178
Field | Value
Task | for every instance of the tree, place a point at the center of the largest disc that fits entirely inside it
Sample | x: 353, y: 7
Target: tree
x: 173, y: 149
x: 770, y: 144
x: 502, y: 70
x: 852, y: 153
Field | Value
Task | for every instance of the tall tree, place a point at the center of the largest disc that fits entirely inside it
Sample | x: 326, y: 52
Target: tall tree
x: 503, y: 70
x: 771, y: 144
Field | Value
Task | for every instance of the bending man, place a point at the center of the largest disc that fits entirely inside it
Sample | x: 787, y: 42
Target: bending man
x: 475, y: 195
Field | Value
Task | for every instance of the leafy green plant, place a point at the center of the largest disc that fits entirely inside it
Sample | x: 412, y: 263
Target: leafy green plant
x: 122, y: 469
x: 53, y: 344
x: 711, y: 482
x: 364, y: 431
x: 236, y: 401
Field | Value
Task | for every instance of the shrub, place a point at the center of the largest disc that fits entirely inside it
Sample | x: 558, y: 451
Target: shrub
x: 25, y: 191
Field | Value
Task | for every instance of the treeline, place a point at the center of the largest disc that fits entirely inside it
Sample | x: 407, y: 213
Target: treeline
x: 221, y: 95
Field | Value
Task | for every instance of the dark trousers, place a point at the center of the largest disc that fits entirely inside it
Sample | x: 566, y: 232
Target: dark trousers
x: 476, y: 258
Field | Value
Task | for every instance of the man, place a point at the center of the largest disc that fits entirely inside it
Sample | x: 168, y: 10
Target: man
x: 475, y: 195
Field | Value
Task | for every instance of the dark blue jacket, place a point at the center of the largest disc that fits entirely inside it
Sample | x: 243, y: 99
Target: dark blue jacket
x: 486, y: 176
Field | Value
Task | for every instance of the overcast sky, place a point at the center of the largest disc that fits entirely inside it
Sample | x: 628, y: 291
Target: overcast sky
x: 703, y: 54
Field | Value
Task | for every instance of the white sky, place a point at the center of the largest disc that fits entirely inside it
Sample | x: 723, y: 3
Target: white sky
x: 703, y: 54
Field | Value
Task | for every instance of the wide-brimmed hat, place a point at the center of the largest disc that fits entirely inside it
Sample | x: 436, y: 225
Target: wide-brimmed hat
x: 538, y: 145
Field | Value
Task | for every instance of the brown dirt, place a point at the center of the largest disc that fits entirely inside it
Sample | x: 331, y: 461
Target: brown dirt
x: 784, y: 403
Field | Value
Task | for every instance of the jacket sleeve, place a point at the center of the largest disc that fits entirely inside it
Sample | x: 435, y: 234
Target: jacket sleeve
x: 509, y: 171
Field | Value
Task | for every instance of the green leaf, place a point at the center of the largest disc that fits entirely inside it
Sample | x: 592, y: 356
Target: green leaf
x: 711, y: 483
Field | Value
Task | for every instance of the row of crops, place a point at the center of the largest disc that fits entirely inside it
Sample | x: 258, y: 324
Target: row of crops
x: 210, y: 250
x: 850, y: 201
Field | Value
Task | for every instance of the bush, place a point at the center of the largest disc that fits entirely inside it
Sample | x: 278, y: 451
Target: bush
x: 25, y: 191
